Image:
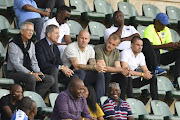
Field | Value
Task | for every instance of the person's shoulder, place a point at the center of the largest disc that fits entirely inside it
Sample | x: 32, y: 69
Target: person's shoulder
x: 6, y: 97
x: 51, y: 21
x: 99, y: 46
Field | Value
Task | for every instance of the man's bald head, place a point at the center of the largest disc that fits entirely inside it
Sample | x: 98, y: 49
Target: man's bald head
x: 15, y: 87
x: 76, y: 88
x: 83, y: 39
x: 16, y: 92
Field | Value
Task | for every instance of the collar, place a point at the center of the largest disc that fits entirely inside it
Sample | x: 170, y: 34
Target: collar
x: 49, y: 43
x: 120, y: 101
x: 131, y: 52
x: 70, y: 95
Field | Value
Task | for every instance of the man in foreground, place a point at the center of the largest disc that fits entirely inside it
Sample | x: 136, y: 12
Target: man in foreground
x: 71, y: 104
x: 114, y: 107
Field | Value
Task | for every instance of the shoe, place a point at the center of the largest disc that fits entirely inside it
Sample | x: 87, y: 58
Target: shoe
x: 159, y: 71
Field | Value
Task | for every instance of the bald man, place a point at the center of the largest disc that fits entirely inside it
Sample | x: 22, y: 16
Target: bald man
x: 71, y: 104
x: 33, y: 111
x: 81, y: 57
x: 9, y: 103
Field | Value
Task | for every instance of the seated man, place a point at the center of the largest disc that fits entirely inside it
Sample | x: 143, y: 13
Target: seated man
x: 126, y: 33
x: 108, y: 55
x: 49, y: 60
x: 9, y: 103
x: 62, y: 16
x: 26, y: 10
x: 71, y: 104
x: 22, y: 65
x: 23, y: 109
x: 134, y: 58
x: 160, y: 37
x: 114, y: 107
x: 78, y: 55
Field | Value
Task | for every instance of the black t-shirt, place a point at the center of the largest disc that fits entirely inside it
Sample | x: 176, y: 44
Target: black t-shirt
x: 5, y: 101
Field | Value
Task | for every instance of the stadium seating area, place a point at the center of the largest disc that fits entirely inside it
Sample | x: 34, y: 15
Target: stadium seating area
x: 168, y: 107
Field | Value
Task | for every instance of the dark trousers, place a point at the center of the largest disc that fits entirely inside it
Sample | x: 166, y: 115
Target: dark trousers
x: 168, y: 58
x: 58, y: 77
x: 137, y: 83
x: 95, y: 79
x: 41, y: 87
x: 50, y: 3
x: 123, y: 83
x: 150, y: 55
x: 38, y: 25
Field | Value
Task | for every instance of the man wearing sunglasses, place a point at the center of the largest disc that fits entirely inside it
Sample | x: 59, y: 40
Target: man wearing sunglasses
x: 62, y: 16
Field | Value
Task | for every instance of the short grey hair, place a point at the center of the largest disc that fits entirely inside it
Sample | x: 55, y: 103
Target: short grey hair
x: 23, y: 25
x: 50, y: 28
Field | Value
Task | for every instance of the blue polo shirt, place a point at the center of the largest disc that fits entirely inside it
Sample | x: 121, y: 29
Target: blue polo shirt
x: 22, y: 14
x: 121, y: 111
x: 19, y: 115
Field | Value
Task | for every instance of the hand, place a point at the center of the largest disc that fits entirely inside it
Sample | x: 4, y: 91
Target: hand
x: 37, y: 76
x: 147, y: 75
x: 46, y: 12
x: 172, y: 45
x: 68, y: 72
x: 93, y: 118
x: 100, y: 67
x: 126, y: 72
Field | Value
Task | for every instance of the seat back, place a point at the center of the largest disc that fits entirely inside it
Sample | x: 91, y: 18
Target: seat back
x: 3, y: 92
x: 7, y: 3
x: 4, y: 23
x: 81, y: 5
x: 141, y: 29
x: 137, y: 106
x: 36, y: 97
x: 177, y: 106
x: 173, y: 12
x: 150, y: 10
x: 103, y: 6
x: 160, y: 108
x: 52, y: 98
x: 103, y: 99
x: 164, y: 84
x: 74, y: 26
x: 96, y: 28
x: 127, y: 9
x: 175, y: 35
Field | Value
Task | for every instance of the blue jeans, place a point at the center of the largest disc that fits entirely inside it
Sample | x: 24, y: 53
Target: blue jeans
x: 95, y: 79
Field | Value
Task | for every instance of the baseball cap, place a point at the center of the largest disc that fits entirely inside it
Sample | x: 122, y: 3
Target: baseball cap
x: 163, y: 18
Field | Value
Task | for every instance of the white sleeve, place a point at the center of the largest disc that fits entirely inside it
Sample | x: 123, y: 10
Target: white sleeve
x: 67, y: 29
x: 43, y: 31
x: 133, y: 30
x: 106, y: 35
x: 143, y: 61
x: 124, y: 56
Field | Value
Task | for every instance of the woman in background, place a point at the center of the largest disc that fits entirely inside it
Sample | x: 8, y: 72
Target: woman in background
x: 94, y: 109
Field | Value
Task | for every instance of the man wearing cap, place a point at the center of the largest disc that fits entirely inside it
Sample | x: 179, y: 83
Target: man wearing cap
x: 160, y: 37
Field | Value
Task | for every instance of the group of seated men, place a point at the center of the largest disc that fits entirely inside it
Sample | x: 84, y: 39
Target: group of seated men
x: 40, y: 66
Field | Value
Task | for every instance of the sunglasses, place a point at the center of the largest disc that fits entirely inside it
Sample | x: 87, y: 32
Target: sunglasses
x: 66, y: 18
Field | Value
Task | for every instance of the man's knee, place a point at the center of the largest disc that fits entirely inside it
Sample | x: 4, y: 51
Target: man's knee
x: 49, y: 79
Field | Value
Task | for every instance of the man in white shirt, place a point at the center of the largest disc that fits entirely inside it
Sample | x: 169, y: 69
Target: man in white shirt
x: 126, y: 33
x: 134, y: 58
x: 81, y: 56
x: 62, y: 16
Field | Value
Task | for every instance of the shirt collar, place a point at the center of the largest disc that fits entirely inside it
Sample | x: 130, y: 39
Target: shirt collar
x: 120, y: 101
x: 48, y: 41
x: 80, y: 49
x: 70, y: 95
x: 133, y: 53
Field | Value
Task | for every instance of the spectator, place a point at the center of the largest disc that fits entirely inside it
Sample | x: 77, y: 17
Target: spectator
x: 33, y: 111
x: 126, y: 33
x: 49, y: 60
x: 134, y: 58
x: 50, y: 4
x: 78, y: 55
x: 10, y: 102
x: 62, y: 16
x: 108, y: 55
x: 160, y: 37
x: 22, y: 64
x: 26, y: 10
x: 23, y: 110
x: 114, y: 107
x: 71, y: 104
x: 94, y: 108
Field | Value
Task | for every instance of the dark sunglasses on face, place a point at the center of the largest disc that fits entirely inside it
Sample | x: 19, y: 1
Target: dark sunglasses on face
x: 66, y: 18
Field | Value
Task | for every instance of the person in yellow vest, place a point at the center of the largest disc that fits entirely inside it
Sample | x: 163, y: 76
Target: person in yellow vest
x: 94, y: 109
x: 160, y: 37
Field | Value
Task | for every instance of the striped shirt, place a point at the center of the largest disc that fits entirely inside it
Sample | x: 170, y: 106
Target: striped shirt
x: 121, y: 111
